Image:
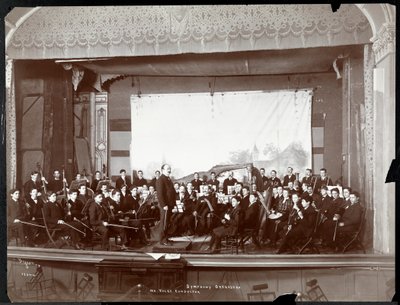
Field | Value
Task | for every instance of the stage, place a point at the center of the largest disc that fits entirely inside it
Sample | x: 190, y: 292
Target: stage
x: 136, y: 276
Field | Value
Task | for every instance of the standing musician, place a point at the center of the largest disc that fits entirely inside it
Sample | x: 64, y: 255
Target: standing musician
x: 323, y: 179
x: 303, y: 227
x: 265, y: 179
x: 213, y: 181
x: 166, y: 199
x: 230, y: 181
x: 196, y: 182
x: 308, y: 178
x: 123, y: 179
x: 232, y: 223
x: 274, y: 180
x: 16, y: 211
x: 34, y: 183
x: 98, y: 218
x: 54, y: 218
x: 290, y: 177
x: 154, y: 180
x: 140, y: 181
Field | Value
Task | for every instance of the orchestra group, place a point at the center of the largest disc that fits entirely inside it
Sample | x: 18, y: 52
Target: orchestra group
x: 277, y: 213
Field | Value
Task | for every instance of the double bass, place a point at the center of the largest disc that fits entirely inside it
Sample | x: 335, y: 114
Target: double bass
x: 41, y: 176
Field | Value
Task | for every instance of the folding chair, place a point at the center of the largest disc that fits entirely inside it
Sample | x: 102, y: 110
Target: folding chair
x: 314, y: 291
x: 259, y: 293
x: 354, y: 238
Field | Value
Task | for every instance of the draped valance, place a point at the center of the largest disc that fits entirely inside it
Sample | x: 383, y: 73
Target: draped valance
x: 108, y: 31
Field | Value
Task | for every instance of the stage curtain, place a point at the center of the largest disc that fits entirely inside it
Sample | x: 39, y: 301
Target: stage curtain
x: 194, y: 132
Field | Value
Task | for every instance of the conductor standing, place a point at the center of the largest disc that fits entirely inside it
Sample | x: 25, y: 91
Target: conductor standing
x: 166, y: 198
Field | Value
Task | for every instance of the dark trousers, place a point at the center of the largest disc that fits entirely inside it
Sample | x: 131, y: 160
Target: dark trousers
x: 16, y: 230
x: 103, y: 231
x: 165, y: 217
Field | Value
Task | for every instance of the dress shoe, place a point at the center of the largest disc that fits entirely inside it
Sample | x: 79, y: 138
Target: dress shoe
x: 164, y: 243
x: 123, y: 247
x: 77, y: 247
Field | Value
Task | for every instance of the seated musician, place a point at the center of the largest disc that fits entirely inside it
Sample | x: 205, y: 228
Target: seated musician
x: 191, y: 191
x: 303, y: 227
x: 347, y: 220
x: 346, y: 195
x: 245, y: 197
x: 33, y: 183
x: 77, y: 213
x: 98, y: 218
x: 251, y: 217
x: 277, y: 219
x: 238, y: 190
x: 315, y: 196
x: 35, y: 203
x: 176, y: 188
x: 103, y: 185
x: 145, y: 213
x: 54, y: 218
x: 132, y: 200
x: 56, y: 184
x: 323, y: 202
x: 231, y: 224
x: 79, y: 179
x: 124, y: 196
x: 96, y: 180
x: 83, y: 194
x: 178, y: 212
x: 113, y: 203
x: 205, y: 210
x: 16, y: 212
x: 122, y: 179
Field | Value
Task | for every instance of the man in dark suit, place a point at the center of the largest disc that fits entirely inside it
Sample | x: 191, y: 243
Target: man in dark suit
x: 196, y: 182
x: 98, y: 218
x: 323, y: 179
x: 347, y: 220
x: 56, y: 184
x: 274, y: 180
x: 123, y: 179
x: 96, y: 180
x: 16, y: 211
x: 33, y: 183
x: 308, y: 178
x: 252, y: 218
x: 166, y: 199
x: 245, y: 198
x: 289, y: 177
x: 140, y: 181
x: 213, y: 182
x: 264, y: 179
x: 154, y: 180
x: 303, y: 228
x: 230, y: 181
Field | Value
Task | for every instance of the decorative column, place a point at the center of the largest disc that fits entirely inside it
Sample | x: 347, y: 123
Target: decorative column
x: 11, y: 137
x: 92, y: 141
x: 384, y: 138
x: 101, y: 138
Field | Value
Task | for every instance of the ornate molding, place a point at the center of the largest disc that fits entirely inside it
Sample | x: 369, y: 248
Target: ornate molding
x: 384, y: 42
x: 144, y: 30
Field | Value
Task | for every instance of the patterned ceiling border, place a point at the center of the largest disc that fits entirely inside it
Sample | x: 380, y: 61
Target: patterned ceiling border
x: 71, y: 32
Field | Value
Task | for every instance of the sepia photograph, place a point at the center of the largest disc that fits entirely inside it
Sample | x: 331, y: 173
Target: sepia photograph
x: 200, y: 153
